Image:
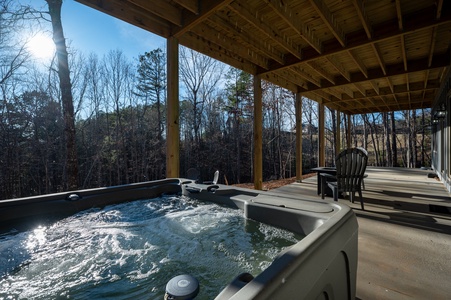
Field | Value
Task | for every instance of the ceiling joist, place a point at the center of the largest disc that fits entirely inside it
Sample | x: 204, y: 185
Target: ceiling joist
x: 293, y: 21
x: 329, y: 20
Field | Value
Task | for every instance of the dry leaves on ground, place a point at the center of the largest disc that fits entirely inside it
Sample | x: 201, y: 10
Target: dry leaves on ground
x: 272, y: 184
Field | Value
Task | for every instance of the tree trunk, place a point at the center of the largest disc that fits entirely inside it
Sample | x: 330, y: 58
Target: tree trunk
x: 388, y: 156
x: 407, y: 141
x: 393, y: 140
x: 365, y: 136
x: 422, y: 149
x: 334, y: 133
x: 66, y: 93
x: 413, y: 138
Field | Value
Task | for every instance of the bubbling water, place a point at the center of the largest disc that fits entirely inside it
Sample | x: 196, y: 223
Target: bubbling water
x: 131, y: 250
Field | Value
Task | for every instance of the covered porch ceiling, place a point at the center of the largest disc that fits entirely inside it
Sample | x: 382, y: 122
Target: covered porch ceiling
x: 353, y: 56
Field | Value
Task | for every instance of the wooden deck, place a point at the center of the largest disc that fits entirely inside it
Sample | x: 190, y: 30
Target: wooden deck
x: 404, y: 234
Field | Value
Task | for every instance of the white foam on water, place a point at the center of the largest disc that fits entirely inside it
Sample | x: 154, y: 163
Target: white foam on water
x: 134, y: 249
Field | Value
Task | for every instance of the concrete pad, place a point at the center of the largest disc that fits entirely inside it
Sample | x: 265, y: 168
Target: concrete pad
x: 404, y: 234
x: 402, y: 262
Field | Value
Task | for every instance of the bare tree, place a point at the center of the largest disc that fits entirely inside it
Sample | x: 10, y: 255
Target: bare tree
x: 394, y: 140
x: 152, y: 82
x: 311, y: 117
x: 117, y: 82
x: 388, y: 154
x: 200, y: 75
x: 66, y: 92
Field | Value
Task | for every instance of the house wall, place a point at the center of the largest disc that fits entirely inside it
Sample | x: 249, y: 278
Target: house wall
x: 441, y: 139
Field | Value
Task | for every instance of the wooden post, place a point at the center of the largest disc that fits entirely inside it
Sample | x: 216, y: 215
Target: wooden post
x: 321, y: 137
x: 173, y: 129
x: 258, y: 134
x: 338, y: 134
x: 298, y: 108
x: 348, y: 136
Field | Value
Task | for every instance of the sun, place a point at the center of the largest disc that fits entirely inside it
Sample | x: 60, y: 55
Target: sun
x: 41, y: 46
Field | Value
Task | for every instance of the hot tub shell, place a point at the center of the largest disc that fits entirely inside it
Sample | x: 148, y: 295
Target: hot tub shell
x: 323, y: 265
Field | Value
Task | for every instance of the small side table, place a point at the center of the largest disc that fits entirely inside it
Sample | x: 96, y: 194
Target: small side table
x: 324, y: 170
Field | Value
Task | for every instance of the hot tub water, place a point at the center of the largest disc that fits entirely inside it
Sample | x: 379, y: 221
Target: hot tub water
x: 131, y: 250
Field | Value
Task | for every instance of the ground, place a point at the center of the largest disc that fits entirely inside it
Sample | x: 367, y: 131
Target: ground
x: 272, y: 184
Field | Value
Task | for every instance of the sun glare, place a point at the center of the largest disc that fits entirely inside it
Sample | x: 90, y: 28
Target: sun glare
x: 41, y: 46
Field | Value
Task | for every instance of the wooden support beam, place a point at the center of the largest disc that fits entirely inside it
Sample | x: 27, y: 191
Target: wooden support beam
x: 281, y: 81
x: 245, y: 11
x: 378, y: 54
x: 384, y: 100
x: 370, y: 99
x: 325, y: 97
x: 258, y: 134
x: 172, y: 128
x: 426, y: 80
x: 383, y: 33
x: 358, y: 4
x: 162, y: 9
x: 339, y: 67
x: 359, y: 63
x: 375, y: 86
x: 334, y: 92
x: 399, y: 15
x: 389, y: 101
x: 403, y: 51
x: 298, y: 113
x: 347, y: 90
x: 417, y: 65
x: 360, y: 89
x: 229, y: 45
x: 295, y: 23
x: 131, y: 14
x: 432, y: 45
x: 395, y: 97
x: 306, y: 75
x: 294, y: 77
x: 439, y: 9
x: 198, y: 43
x: 321, y: 136
x: 205, y: 10
x: 248, y: 39
x: 191, y: 5
x: 329, y: 19
x: 390, y: 85
x: 320, y: 71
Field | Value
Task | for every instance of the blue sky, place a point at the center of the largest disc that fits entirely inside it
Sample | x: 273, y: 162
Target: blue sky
x: 89, y: 30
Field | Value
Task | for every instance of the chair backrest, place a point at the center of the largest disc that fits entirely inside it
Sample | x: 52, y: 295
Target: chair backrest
x: 363, y: 149
x: 351, y: 166
x: 216, y: 177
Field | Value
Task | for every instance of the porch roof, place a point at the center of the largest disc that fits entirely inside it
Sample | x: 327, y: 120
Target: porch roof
x: 353, y: 56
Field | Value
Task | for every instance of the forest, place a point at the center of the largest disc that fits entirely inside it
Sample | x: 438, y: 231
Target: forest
x: 101, y: 121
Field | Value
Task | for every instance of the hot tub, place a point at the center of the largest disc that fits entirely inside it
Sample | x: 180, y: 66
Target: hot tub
x: 322, y: 265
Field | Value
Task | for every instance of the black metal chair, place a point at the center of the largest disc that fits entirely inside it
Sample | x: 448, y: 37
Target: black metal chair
x: 351, y: 166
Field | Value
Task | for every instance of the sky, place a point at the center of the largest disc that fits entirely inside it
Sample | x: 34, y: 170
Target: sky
x: 89, y: 30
